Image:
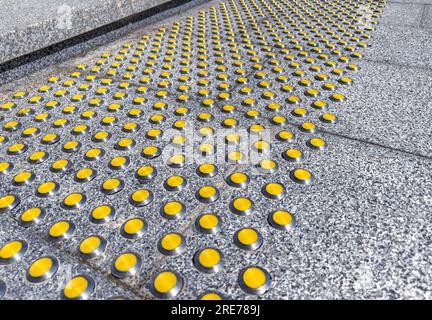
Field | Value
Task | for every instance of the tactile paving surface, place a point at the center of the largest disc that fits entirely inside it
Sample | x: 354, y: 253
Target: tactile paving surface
x: 161, y: 169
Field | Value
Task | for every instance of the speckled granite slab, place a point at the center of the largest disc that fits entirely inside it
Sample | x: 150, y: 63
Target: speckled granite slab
x: 29, y: 25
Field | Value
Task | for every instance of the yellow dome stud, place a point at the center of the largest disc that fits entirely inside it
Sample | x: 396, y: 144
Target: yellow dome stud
x: 92, y: 247
x: 134, y: 228
x: 248, y: 239
x: 79, y: 287
x: 42, y: 269
x: 166, y: 284
x: 209, y: 260
x: 302, y: 176
x: 172, y: 244
x: 126, y: 265
x: 254, y: 280
x: 282, y: 220
x: 12, y: 251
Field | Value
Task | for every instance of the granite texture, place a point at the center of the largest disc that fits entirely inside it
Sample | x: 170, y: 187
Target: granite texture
x: 13, y: 275
x: 363, y: 229
x: 364, y: 226
x: 29, y: 25
x: 402, y: 45
x: 388, y: 105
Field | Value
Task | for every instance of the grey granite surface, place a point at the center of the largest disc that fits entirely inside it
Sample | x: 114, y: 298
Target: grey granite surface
x: 364, y: 225
x: 27, y: 26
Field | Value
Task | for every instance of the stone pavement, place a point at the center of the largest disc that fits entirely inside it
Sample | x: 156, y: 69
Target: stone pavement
x: 111, y: 180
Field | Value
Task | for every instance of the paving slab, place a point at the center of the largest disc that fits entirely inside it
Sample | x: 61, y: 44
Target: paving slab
x: 407, y: 14
x: 398, y: 44
x: 18, y: 287
x: 361, y: 206
x: 389, y: 105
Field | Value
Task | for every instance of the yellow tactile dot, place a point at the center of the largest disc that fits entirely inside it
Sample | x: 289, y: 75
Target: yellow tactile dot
x: 141, y: 197
x: 69, y: 109
x: 133, y: 228
x: 252, y: 114
x: 94, y: 154
x: 175, y: 183
x: 109, y: 121
x: 207, y: 170
x: 261, y: 146
x: 319, y: 104
x: 172, y: 244
x: 302, y: 176
x: 337, y: 97
x: 208, y: 223
x: 274, y: 190
x: 205, y: 117
x: 119, y: 163
x: 228, y: 108
x: 50, y: 138
x: 182, y: 111
x: 112, y: 186
x: 78, y: 288
x: 31, y: 216
x: 166, y: 284
x: 47, y: 189
x: 242, y: 206
x: 273, y: 106
x: 23, y: 178
x: 131, y: 127
x: 177, y: 160
x: 208, y: 260
x: 299, y: 112
x: 135, y: 113
x: 74, y: 201
x: 125, y: 144
x: 248, y: 239
x: 126, y: 265
x: 238, y: 180
x: 292, y: 155
x: 8, y: 106
x: 180, y: 124
x: 17, y: 149
x: 328, y: 118
x: 60, y: 165
x: 172, y: 210
x: 92, y: 247
x: 317, y: 144
x: 151, y: 152
x: 154, y: 134
x: 5, y: 167
x: 236, y: 157
x: 307, y: 127
x: 53, y: 104
x: 61, y: 230
x: 232, y: 138
x: 42, y: 269
x: 12, y: 251
x: 207, y: 194
x: 254, y: 280
x: 267, y: 166
x: 281, y: 220
x: 20, y: 94
x: 101, y: 136
x: 23, y: 112
x: 71, y: 146
x: 114, y: 107
x: 86, y: 115
x: 12, y: 126
x: 60, y: 123
x: 42, y: 117
x: 211, y: 296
